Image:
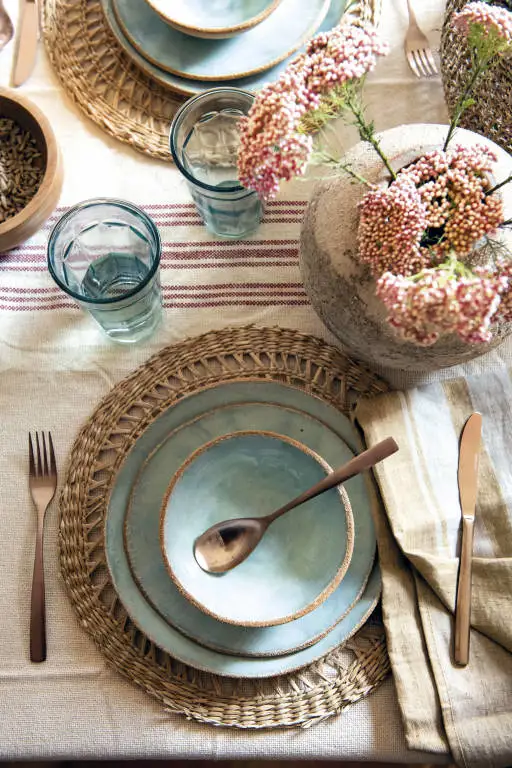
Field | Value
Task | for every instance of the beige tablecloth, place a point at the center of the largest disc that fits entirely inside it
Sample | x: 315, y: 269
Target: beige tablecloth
x: 54, y: 367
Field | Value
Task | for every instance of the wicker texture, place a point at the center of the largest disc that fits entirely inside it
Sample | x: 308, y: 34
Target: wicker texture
x: 106, y: 85
x: 491, y: 113
x: 311, y: 694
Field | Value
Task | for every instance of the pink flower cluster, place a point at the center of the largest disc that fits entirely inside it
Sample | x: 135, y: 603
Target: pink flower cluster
x: 437, y: 302
x: 452, y: 186
x: 436, y: 205
x: 271, y: 145
x: 503, y: 280
x: 488, y: 16
x: 391, y: 224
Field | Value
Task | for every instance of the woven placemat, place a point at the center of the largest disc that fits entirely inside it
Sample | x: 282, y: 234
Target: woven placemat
x: 301, y: 698
x: 491, y: 113
x: 106, y: 85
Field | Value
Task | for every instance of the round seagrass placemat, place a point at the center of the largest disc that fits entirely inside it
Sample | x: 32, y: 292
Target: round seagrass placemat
x: 301, y: 698
x: 107, y: 86
x: 492, y: 108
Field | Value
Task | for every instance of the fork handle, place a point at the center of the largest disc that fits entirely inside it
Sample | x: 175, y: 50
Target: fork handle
x: 37, y: 607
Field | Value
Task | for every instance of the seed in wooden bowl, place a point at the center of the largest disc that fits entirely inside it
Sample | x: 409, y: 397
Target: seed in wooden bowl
x: 21, y: 168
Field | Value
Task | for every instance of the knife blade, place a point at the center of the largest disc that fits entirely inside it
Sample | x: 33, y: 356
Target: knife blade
x: 28, y: 35
x: 467, y: 477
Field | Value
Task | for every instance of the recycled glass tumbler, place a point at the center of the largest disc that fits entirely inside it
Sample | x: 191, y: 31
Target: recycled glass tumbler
x: 105, y: 254
x: 204, y: 142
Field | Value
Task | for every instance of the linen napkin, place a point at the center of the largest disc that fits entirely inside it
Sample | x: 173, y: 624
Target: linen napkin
x: 418, y: 531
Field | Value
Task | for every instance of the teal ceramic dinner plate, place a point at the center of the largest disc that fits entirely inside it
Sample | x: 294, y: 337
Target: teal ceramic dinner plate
x: 214, y: 18
x: 143, y: 513
x: 193, y: 87
x: 143, y: 613
x: 278, y: 36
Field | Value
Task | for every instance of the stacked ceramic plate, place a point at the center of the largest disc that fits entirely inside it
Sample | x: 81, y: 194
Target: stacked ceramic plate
x: 193, y: 45
x: 243, y: 449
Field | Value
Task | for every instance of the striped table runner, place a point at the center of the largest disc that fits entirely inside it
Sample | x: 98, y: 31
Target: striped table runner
x: 197, y: 272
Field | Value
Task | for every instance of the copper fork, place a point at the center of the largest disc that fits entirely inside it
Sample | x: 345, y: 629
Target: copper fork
x: 42, y: 483
x: 417, y: 50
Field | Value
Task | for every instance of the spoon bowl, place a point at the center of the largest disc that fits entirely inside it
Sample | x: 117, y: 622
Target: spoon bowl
x: 228, y: 543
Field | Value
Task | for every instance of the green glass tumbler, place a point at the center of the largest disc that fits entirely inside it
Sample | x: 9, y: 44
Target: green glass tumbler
x: 105, y: 254
x: 204, y: 142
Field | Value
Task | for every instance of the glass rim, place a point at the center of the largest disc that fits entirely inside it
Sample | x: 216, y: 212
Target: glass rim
x: 172, y: 135
x: 92, y: 202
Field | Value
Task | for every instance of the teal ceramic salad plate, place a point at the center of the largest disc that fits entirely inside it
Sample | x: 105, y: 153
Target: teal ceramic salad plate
x: 144, y: 614
x: 280, y: 35
x: 193, y: 87
x: 301, y: 559
x: 214, y: 18
x: 143, y: 514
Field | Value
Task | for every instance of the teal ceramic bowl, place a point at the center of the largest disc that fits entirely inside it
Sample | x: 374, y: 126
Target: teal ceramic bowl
x: 302, y: 557
x: 215, y: 19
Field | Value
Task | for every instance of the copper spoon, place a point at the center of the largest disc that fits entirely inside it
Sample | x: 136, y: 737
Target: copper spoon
x: 6, y: 28
x: 227, y: 544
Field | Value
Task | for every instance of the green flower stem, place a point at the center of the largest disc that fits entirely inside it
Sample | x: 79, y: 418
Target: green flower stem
x: 506, y: 223
x: 462, y: 100
x: 324, y: 158
x: 367, y: 134
x: 498, y: 186
x: 452, y: 267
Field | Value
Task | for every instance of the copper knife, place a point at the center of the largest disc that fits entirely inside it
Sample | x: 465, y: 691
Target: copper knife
x: 469, y: 454
x: 28, y: 35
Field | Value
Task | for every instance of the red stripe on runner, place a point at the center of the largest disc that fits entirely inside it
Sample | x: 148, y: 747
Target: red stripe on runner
x: 235, y: 286
x: 198, y: 287
x: 192, y: 266
x: 177, y: 293
x: 192, y: 304
x: 30, y: 289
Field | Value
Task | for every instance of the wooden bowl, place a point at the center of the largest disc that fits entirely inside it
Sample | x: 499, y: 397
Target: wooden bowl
x: 24, y: 224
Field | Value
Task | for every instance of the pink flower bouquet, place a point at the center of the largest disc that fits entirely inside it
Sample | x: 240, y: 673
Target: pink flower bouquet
x: 419, y: 232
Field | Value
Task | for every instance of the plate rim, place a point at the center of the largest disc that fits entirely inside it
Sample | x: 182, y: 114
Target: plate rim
x: 143, y: 589
x: 306, y: 35
x: 252, y: 21
x: 186, y: 87
x: 259, y: 670
x: 332, y: 584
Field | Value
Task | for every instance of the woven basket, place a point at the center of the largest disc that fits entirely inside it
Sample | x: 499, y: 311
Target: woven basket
x: 491, y: 115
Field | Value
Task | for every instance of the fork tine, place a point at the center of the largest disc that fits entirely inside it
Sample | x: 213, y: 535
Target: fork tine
x: 413, y: 64
x: 31, y: 462
x: 39, y: 465
x: 53, y: 465
x: 45, y: 455
x: 431, y: 60
x: 424, y: 60
x: 420, y: 64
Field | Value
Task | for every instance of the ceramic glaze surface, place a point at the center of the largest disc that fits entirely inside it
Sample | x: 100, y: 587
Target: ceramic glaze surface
x: 143, y: 514
x: 298, y: 558
x: 214, y: 16
x: 143, y: 614
x: 191, y: 87
x: 278, y: 36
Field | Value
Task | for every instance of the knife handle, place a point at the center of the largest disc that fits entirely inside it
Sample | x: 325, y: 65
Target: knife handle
x: 463, y: 600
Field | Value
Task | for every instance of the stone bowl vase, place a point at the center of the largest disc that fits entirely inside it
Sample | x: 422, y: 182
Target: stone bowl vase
x: 342, y: 289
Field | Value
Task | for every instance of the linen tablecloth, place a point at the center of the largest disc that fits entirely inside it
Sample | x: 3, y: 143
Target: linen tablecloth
x: 54, y: 367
